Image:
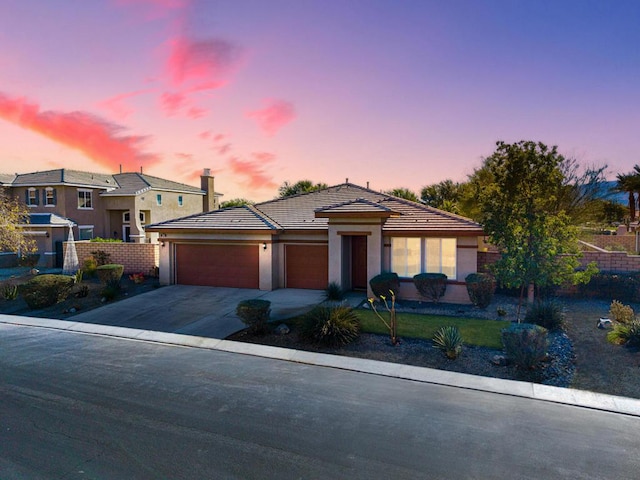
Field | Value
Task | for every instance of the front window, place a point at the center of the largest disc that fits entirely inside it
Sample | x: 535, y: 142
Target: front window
x: 410, y: 256
x: 405, y: 256
x: 50, y: 197
x: 32, y: 197
x: 85, y: 232
x: 159, y: 199
x: 84, y: 199
x: 179, y: 200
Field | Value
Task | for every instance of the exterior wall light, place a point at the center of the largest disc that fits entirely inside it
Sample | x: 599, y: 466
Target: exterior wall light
x: 264, y: 245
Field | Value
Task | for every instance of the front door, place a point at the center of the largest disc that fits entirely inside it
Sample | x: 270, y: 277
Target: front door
x: 126, y: 233
x: 359, y: 262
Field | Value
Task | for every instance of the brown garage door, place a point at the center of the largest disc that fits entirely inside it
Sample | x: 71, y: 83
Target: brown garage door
x: 218, y: 265
x: 307, y: 266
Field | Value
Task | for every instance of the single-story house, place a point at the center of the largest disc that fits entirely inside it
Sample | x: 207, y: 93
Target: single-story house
x: 345, y: 234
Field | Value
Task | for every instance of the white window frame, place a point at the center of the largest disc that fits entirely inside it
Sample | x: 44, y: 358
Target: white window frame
x: 47, y: 191
x: 425, y: 266
x: 85, y: 191
x: 82, y: 228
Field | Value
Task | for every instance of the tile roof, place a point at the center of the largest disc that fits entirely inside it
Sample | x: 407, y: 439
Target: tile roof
x: 129, y: 183
x: 65, y: 176
x: 298, y: 212
x: 49, y: 219
x: 246, y: 217
x: 137, y: 183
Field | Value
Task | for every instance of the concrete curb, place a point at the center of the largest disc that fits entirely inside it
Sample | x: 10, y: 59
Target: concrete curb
x: 568, y: 396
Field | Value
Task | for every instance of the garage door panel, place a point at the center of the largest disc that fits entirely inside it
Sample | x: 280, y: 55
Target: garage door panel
x: 307, y: 266
x: 218, y: 265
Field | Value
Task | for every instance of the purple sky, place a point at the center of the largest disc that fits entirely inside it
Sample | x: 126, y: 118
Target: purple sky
x: 397, y: 93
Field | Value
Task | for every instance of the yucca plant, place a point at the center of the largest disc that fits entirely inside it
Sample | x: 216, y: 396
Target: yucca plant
x: 331, y: 326
x: 449, y: 340
x: 334, y: 292
x: 9, y: 291
x: 625, y: 334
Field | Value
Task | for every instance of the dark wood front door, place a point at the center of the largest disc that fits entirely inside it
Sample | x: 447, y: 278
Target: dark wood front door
x: 359, y: 262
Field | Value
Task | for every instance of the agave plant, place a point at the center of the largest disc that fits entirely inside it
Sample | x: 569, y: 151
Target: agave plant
x: 449, y: 340
x: 9, y: 291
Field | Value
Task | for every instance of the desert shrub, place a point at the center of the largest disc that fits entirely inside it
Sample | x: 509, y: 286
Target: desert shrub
x: 621, y: 313
x: 46, y: 290
x: 431, y: 285
x: 334, y: 292
x: 480, y: 287
x: 449, y: 340
x: 101, y: 257
x: 331, y: 326
x: 29, y: 260
x: 82, y: 291
x: 610, y: 285
x: 105, y: 240
x: 546, y: 313
x: 254, y: 314
x: 77, y: 277
x: 385, y: 283
x: 111, y: 289
x: 525, y: 344
x: 137, y: 278
x: 111, y: 271
x: 625, y: 334
x: 89, y: 266
x: 9, y: 291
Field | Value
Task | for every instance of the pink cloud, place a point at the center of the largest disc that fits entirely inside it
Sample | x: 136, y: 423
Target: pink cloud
x: 223, y: 149
x: 275, y: 115
x: 252, y: 171
x: 97, y: 138
x: 155, y: 8
x: 200, y: 61
x: 172, y: 103
x: 116, y: 106
x: 205, y: 135
x: 219, y: 137
x: 184, y: 156
x: 195, y: 112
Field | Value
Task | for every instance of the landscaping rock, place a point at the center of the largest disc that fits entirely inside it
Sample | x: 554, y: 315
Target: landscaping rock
x: 499, y: 360
x: 282, y: 329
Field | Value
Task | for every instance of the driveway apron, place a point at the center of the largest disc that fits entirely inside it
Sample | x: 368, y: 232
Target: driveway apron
x: 193, y: 310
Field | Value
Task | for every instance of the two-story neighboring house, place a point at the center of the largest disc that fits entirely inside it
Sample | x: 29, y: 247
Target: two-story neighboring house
x: 102, y: 205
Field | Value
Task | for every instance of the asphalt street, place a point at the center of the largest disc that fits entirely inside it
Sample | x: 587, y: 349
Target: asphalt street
x: 94, y: 407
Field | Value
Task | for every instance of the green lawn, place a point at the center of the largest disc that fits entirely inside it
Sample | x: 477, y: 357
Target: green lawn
x: 475, y: 331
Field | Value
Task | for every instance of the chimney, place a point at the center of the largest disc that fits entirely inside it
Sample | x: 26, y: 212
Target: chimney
x: 209, y: 201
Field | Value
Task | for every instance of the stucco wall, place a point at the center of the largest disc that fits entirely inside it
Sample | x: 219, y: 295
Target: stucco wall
x: 136, y: 257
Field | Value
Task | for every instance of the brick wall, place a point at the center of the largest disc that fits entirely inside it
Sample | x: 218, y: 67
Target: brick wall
x: 607, y: 261
x: 136, y: 257
x: 614, y: 242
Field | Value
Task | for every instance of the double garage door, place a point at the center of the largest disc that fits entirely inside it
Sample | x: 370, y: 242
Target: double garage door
x: 306, y: 266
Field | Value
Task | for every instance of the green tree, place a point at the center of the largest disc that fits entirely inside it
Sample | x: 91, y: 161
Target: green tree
x: 403, y: 192
x: 522, y: 217
x: 236, y: 202
x: 444, y: 195
x: 12, y: 237
x: 630, y: 184
x: 288, y: 189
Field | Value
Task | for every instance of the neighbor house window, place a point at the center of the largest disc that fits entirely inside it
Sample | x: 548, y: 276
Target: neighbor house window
x: 159, y: 199
x: 85, y: 232
x: 179, y: 200
x: 410, y: 256
x: 50, y: 197
x: 32, y: 197
x: 84, y: 199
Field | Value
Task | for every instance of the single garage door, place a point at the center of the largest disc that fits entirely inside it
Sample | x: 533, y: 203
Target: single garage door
x: 218, y: 265
x: 307, y: 266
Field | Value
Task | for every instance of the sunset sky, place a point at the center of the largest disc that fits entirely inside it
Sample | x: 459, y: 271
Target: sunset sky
x: 400, y: 93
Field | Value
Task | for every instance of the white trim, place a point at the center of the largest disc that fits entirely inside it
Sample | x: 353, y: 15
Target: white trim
x: 35, y: 233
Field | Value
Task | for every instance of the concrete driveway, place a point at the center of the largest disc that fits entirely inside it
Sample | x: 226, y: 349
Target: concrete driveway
x: 202, y: 311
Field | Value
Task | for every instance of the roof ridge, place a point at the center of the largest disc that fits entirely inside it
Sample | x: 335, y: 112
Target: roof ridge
x: 263, y: 216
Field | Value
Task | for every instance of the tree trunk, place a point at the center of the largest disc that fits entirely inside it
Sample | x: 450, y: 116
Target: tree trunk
x: 530, y: 293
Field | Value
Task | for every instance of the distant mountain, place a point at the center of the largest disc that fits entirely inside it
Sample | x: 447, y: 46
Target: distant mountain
x: 608, y: 192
